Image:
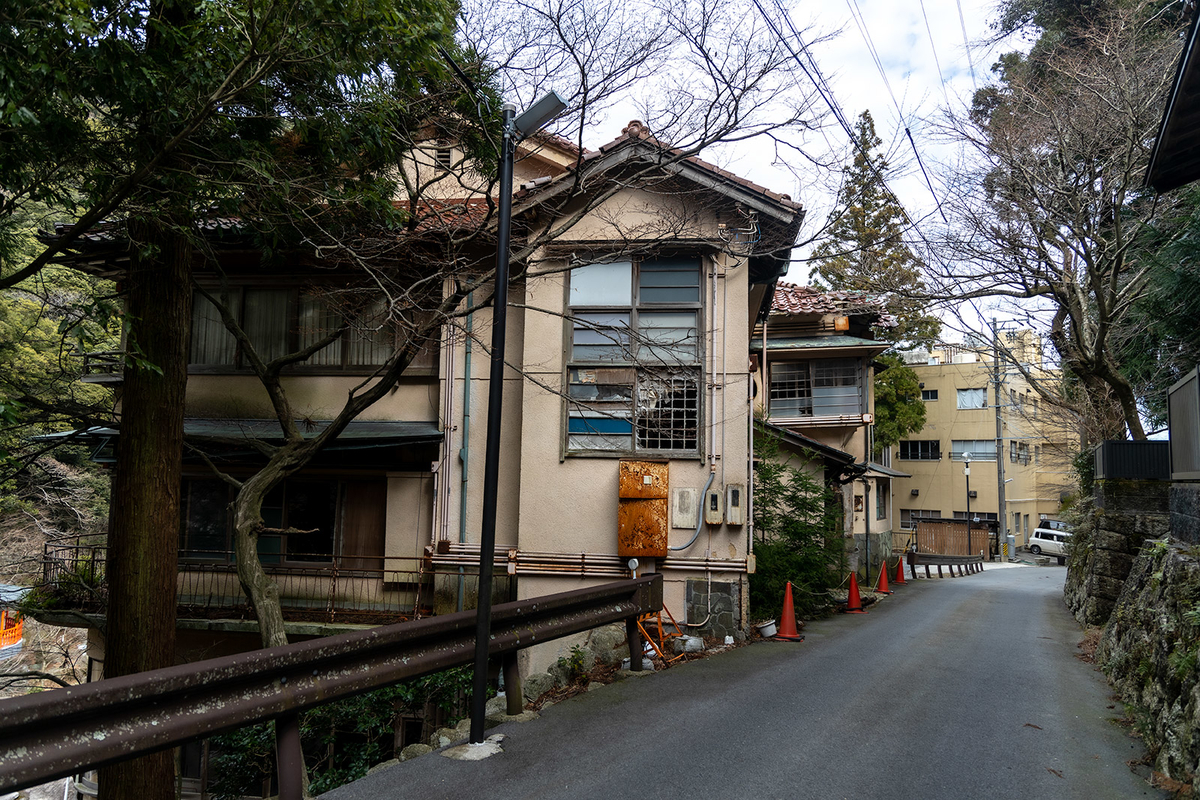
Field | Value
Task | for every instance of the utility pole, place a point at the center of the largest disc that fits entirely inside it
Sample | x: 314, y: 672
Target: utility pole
x: 998, y: 380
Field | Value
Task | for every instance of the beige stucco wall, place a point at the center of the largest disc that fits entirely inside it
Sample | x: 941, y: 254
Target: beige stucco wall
x: 409, y: 518
x: 1033, y: 489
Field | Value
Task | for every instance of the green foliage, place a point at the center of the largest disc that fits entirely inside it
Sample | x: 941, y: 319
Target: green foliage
x: 899, y: 410
x: 865, y: 251
x: 798, y: 522
x: 341, y: 740
x: 1084, y: 464
x: 575, y: 665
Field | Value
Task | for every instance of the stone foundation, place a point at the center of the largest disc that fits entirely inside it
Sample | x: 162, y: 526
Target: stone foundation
x: 1150, y: 649
x: 1185, y: 512
x: 718, y: 605
x: 1108, y: 535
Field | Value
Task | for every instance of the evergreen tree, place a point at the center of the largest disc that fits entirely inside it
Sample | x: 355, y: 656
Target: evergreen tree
x: 899, y: 410
x: 865, y: 251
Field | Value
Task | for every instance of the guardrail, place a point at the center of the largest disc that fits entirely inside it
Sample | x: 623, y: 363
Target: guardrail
x: 63, y: 732
x: 965, y: 565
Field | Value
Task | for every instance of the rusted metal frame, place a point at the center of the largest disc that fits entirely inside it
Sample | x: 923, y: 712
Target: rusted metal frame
x: 55, y: 734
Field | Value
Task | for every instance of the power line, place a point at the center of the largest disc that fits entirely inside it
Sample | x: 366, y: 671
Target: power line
x: 861, y: 22
x: 962, y: 21
x: 933, y: 47
x: 826, y: 93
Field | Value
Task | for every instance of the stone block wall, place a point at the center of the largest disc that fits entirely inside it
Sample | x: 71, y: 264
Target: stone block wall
x: 718, y: 605
x: 1185, y: 512
x: 1150, y: 649
x: 1107, y: 538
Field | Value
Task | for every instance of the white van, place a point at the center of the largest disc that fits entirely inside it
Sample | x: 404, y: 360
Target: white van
x: 1050, y: 537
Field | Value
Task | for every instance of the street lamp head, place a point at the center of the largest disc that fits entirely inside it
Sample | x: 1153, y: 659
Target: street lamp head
x: 539, y: 114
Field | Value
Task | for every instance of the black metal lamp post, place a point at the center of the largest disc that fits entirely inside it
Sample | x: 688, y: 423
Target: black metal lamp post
x: 967, y: 473
x: 516, y: 128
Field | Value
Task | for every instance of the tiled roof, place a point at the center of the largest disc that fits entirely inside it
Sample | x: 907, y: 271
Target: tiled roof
x: 793, y: 299
x: 637, y: 130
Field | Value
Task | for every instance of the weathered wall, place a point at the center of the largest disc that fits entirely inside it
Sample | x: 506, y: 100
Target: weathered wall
x: 1150, y: 650
x: 1185, y: 512
x: 1106, y: 541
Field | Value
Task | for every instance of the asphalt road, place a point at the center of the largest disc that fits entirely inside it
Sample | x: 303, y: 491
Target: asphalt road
x: 963, y: 688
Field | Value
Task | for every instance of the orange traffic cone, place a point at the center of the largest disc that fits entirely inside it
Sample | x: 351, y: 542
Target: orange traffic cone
x: 787, y: 621
x: 900, y: 572
x: 854, y: 602
x: 881, y: 585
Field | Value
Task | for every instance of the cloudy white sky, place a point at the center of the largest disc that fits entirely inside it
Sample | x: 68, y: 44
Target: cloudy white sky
x: 924, y: 53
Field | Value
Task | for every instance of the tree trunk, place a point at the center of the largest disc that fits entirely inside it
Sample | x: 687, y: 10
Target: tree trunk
x: 144, y: 542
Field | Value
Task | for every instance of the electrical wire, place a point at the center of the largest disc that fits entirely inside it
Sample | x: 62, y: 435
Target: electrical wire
x: 962, y: 21
x: 826, y: 93
x: 933, y: 47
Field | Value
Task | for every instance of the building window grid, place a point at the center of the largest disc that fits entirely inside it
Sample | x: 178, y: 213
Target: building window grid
x: 980, y: 449
x: 635, y: 373
x: 921, y: 450
x: 929, y: 395
x: 969, y: 399
x: 910, y: 516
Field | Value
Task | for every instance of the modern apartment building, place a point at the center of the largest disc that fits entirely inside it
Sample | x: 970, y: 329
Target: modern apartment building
x: 982, y: 409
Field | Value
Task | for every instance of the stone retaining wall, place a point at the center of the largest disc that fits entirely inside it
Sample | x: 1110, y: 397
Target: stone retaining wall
x: 1106, y: 540
x: 1150, y: 650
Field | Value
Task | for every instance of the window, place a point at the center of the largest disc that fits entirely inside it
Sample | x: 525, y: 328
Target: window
x: 1012, y: 452
x: 980, y: 449
x: 325, y: 513
x: 444, y: 157
x: 910, y: 516
x: 929, y: 395
x: 982, y: 516
x: 972, y: 398
x: 634, y: 377
x: 882, y: 490
x: 830, y: 387
x: 1037, y: 453
x: 281, y: 320
x: 921, y: 450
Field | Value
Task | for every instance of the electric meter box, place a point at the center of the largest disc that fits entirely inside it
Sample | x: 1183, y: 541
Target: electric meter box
x: 735, y: 504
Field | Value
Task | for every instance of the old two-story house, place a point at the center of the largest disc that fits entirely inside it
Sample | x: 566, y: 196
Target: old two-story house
x: 626, y: 418
x: 815, y: 364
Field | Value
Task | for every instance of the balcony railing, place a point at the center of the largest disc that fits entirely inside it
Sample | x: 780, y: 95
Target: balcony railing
x: 106, y: 366
x: 312, y: 588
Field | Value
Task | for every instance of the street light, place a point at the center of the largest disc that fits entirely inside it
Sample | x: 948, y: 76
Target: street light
x: 515, y: 129
x: 967, y: 473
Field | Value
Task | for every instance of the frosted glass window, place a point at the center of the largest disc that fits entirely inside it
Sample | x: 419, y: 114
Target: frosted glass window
x: 972, y: 398
x: 602, y: 284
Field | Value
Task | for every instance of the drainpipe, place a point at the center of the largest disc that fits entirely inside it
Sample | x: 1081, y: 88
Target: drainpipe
x: 464, y: 454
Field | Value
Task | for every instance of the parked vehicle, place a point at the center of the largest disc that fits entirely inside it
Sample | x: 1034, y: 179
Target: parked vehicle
x: 1051, y: 537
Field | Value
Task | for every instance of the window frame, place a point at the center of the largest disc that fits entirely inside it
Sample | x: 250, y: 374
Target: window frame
x: 956, y: 453
x: 929, y: 395
x: 815, y: 381
x: 629, y: 353
x: 959, y: 394
x: 424, y: 363
x: 933, y: 446
x: 337, y: 486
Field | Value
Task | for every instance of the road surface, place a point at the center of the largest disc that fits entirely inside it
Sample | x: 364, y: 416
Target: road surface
x: 959, y: 688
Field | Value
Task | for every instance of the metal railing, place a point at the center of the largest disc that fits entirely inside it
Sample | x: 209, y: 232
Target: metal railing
x: 66, y: 731
x: 966, y: 565
x: 312, y: 588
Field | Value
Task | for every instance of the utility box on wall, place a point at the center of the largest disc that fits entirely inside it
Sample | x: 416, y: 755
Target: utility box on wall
x: 642, y: 509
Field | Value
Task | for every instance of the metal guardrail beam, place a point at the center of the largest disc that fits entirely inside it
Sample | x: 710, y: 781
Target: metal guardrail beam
x: 59, y: 733
x: 965, y: 564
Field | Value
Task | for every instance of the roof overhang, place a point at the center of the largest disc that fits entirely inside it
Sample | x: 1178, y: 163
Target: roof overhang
x: 821, y: 346
x: 357, y: 435
x: 1175, y: 160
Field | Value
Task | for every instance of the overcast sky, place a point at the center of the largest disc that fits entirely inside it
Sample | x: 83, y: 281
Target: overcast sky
x: 924, y: 55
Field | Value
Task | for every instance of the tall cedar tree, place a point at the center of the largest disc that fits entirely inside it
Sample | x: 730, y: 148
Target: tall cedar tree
x: 865, y: 251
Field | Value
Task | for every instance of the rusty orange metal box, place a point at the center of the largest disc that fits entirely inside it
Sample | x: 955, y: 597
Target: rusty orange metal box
x: 642, y: 508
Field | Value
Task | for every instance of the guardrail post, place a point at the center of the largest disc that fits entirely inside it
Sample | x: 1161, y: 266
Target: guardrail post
x: 289, y: 757
x: 634, y: 637
x: 512, y: 684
